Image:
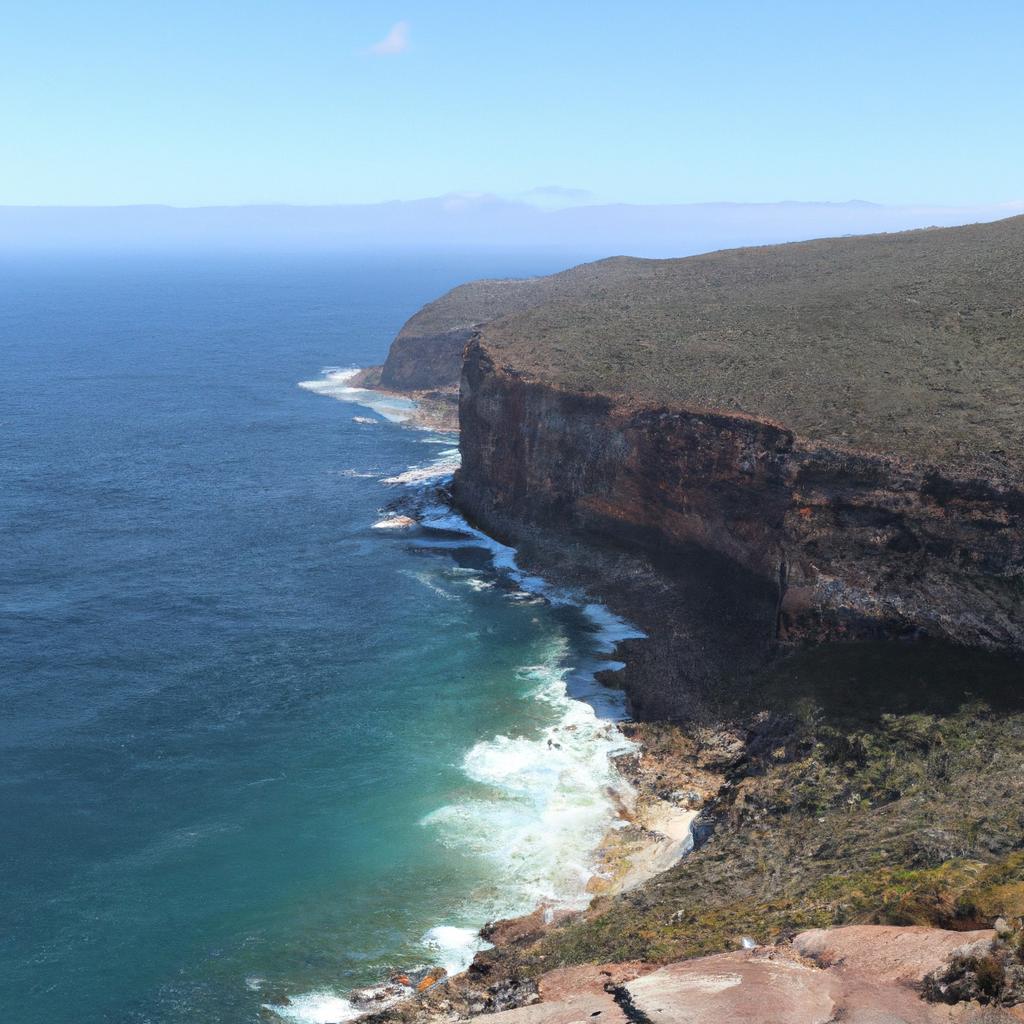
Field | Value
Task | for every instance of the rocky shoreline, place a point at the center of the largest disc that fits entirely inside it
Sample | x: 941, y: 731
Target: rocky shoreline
x: 805, y: 956
x: 657, y: 821
x: 916, y: 933
x: 658, y: 815
x: 796, y: 470
x: 658, y: 807
x: 797, y: 786
x: 731, y: 775
x: 436, y: 408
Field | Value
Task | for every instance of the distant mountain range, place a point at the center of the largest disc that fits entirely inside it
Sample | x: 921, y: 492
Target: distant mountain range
x: 465, y: 222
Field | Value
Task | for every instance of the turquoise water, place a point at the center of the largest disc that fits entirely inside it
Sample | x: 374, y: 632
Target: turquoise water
x: 254, y: 749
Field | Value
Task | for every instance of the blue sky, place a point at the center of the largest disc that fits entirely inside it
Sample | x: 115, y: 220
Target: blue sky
x: 310, y: 101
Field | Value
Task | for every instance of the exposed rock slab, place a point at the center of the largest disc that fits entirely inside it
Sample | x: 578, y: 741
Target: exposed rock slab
x: 575, y: 995
x: 887, y: 954
x: 857, y: 975
x: 735, y: 987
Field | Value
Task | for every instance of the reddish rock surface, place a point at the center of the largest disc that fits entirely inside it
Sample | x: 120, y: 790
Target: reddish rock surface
x: 856, y: 975
x: 890, y: 955
x: 735, y: 987
x: 575, y: 994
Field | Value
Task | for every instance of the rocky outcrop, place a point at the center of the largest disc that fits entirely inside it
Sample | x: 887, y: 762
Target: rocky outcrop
x: 419, y: 362
x: 852, y: 544
x: 866, y: 974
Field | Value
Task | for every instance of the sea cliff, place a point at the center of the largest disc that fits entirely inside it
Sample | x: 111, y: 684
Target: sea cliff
x: 839, y: 423
x: 800, y: 470
x: 852, y: 545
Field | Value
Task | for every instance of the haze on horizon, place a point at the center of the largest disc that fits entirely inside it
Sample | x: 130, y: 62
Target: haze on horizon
x: 321, y: 102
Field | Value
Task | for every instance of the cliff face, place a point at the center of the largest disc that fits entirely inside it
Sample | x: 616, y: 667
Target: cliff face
x: 854, y: 545
x: 804, y: 443
x: 419, y: 362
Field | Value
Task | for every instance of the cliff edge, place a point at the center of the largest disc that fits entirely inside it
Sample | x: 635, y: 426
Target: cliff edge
x: 842, y: 419
x: 427, y: 352
x: 753, y: 450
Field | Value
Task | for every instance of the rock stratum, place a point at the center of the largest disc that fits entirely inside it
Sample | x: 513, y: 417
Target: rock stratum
x: 843, y: 419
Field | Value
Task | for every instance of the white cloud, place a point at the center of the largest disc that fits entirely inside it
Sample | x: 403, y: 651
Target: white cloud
x: 395, y: 42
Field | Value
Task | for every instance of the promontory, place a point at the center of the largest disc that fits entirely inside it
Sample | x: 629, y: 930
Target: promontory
x: 800, y: 470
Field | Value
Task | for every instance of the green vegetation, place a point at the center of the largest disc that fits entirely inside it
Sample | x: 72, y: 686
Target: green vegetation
x: 489, y: 298
x: 909, y: 344
x: 876, y: 787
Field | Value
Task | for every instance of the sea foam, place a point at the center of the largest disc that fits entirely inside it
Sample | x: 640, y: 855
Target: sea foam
x: 543, y: 804
x: 453, y: 948
x: 321, y: 1007
x: 335, y: 384
x: 543, y: 801
x: 434, y: 471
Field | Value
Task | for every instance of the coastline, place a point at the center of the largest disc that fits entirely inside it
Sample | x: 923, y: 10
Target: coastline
x: 435, y: 408
x: 648, y: 830
x: 424, y: 410
x: 814, y: 800
x: 832, y: 609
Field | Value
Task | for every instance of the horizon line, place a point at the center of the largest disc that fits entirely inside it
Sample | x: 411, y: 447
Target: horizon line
x: 485, y: 197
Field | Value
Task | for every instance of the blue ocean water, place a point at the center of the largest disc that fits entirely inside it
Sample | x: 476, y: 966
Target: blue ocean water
x: 255, y: 752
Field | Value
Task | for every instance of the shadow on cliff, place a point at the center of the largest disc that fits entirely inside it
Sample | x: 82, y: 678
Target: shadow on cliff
x: 712, y: 653
x: 712, y: 656
x: 865, y: 682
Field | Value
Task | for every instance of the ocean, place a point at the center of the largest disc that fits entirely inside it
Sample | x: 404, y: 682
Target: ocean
x: 256, y: 752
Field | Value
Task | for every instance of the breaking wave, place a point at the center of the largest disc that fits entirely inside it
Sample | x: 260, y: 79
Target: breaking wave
x: 322, y: 1007
x: 335, y: 384
x: 545, y: 800
x: 543, y: 805
x: 537, y: 804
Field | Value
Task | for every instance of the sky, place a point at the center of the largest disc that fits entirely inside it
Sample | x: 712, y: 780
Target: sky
x: 325, y: 101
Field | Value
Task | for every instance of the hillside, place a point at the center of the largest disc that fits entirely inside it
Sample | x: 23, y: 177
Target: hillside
x: 908, y: 344
x: 428, y: 350
x: 776, y: 463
